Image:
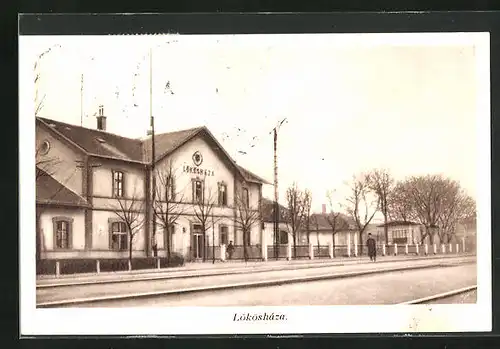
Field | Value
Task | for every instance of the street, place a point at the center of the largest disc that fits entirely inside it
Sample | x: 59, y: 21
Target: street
x: 385, y: 287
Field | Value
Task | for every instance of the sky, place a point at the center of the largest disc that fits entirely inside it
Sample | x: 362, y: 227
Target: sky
x: 351, y: 102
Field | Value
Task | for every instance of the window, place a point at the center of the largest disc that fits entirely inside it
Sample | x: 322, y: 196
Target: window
x: 400, y: 236
x: 117, y: 184
x: 222, y: 194
x: 119, y: 236
x: 197, y: 190
x: 223, y: 235
x: 170, y: 189
x: 246, y: 198
x: 62, y: 240
x: 283, y: 237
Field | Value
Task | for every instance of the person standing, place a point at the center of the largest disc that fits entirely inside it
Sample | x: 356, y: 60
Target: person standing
x: 372, y: 247
x: 230, y: 250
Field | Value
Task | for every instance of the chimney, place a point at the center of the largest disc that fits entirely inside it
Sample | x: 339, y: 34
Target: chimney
x: 323, y: 209
x: 101, y: 119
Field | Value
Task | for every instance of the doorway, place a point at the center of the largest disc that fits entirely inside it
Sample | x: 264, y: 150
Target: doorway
x: 197, y: 243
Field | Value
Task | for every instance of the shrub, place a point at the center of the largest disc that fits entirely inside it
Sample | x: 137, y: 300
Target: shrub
x: 75, y: 266
x: 114, y: 264
x: 46, y: 267
x: 176, y: 260
x: 143, y: 263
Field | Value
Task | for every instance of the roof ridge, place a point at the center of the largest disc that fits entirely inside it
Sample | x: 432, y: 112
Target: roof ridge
x: 48, y: 121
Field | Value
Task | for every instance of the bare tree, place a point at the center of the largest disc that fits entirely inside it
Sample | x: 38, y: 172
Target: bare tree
x: 203, y: 211
x: 169, y: 210
x: 296, y: 212
x: 427, y: 194
x: 400, y: 204
x: 130, y: 210
x: 246, y: 218
x: 334, y: 219
x: 307, y: 200
x: 456, y: 206
x: 381, y: 183
x: 360, y: 206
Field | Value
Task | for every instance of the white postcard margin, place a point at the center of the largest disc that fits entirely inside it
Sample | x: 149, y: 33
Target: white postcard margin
x: 301, y: 319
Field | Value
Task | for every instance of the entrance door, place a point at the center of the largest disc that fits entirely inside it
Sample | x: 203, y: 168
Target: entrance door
x: 197, y: 242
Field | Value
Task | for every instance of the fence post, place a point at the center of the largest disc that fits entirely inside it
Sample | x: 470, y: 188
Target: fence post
x: 289, y: 252
x: 223, y: 252
x: 450, y: 248
x: 406, y: 249
x: 426, y: 249
x: 383, y: 249
x: 330, y: 249
x: 355, y: 249
x: 434, y: 248
x: 457, y: 248
x: 98, y: 266
x: 129, y: 265
x: 311, y: 251
x: 264, y: 250
x: 58, y: 268
x: 395, y: 249
x: 348, y: 244
x: 158, y: 265
x: 463, y: 245
x: 443, y: 248
x: 416, y: 248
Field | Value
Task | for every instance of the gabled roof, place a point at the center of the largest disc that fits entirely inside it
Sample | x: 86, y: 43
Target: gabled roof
x: 396, y: 223
x: 104, y: 144
x: 167, y: 142
x: 98, y: 143
x: 252, y: 177
x: 343, y: 222
x: 267, y: 207
x: 50, y: 191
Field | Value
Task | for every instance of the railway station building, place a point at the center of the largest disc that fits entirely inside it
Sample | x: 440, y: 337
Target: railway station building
x: 92, y: 185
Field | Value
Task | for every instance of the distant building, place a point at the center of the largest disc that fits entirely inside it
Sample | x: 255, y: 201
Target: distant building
x: 400, y: 232
x: 84, y: 175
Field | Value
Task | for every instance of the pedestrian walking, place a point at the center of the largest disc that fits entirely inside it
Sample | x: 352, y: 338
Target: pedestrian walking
x: 230, y: 250
x: 372, y: 247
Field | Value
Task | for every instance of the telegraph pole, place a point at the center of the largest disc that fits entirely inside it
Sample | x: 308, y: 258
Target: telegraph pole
x: 81, y: 101
x: 153, y: 177
x: 276, y: 204
x: 276, y: 192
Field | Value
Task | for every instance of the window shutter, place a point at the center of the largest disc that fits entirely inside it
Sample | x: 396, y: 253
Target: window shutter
x: 110, y: 233
x: 70, y: 234
x: 193, y: 189
x: 123, y: 185
x: 112, y: 183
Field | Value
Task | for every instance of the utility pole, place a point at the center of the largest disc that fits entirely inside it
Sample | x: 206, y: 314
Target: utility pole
x: 81, y: 101
x: 153, y: 177
x: 276, y: 192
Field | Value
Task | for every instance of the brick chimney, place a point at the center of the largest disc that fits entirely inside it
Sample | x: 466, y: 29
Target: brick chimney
x: 101, y: 119
x: 323, y: 209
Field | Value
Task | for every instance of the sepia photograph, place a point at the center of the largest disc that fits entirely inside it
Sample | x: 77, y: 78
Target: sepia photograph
x: 258, y: 183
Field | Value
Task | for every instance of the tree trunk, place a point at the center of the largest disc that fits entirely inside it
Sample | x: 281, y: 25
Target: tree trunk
x: 360, y: 239
x: 386, y: 230
x: 130, y: 247
x: 245, y: 251
x: 294, y: 246
x: 333, y: 243
x: 168, y: 245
